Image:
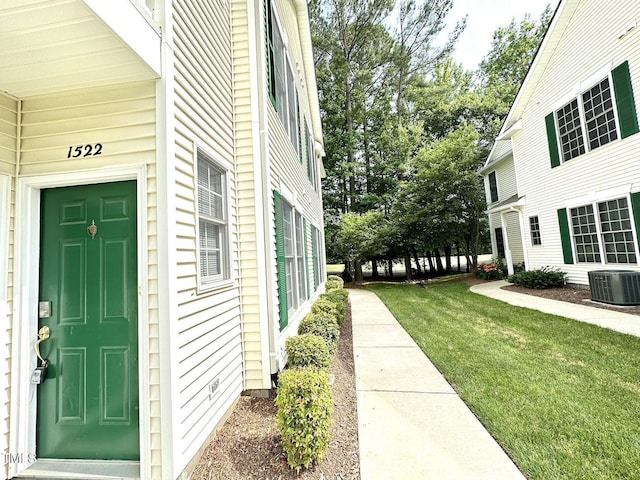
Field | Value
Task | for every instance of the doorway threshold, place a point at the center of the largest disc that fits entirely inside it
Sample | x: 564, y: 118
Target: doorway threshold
x: 50, y: 469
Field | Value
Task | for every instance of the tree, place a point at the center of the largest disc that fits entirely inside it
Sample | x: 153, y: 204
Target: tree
x: 360, y: 240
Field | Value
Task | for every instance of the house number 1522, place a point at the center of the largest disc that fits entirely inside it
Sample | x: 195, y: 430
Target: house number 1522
x: 84, y: 151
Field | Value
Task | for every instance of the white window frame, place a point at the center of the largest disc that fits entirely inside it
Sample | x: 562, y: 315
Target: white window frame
x: 577, y: 93
x: 301, y: 267
x: 539, y: 230
x: 206, y: 283
x: 601, y: 250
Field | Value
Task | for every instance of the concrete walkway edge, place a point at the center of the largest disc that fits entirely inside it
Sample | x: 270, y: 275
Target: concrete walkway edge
x: 611, y: 319
x: 411, y: 423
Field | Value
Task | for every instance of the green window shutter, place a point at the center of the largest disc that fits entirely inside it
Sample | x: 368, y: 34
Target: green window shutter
x: 624, y: 100
x: 306, y: 255
x: 281, y: 261
x: 268, y: 28
x: 552, y: 140
x: 565, y: 236
x: 635, y: 208
x: 314, y: 255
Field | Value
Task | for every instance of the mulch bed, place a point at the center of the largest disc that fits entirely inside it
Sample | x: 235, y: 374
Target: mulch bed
x: 580, y: 296
x: 248, y: 445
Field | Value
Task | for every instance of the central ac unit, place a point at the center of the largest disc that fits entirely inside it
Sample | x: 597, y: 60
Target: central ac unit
x: 617, y: 287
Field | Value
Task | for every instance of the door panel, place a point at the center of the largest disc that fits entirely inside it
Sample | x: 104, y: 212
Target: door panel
x: 88, y: 405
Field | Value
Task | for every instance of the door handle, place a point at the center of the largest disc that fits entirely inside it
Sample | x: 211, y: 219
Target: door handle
x: 43, y: 334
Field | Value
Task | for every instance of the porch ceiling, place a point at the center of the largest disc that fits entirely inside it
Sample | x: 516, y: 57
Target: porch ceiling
x: 49, y: 46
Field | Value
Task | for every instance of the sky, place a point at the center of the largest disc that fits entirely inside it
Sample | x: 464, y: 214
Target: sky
x: 485, y: 16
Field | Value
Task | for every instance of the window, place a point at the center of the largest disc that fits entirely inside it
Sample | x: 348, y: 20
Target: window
x: 534, y: 226
x: 500, y: 243
x: 599, y: 121
x: 213, y: 250
x: 585, y: 234
x: 603, y: 232
x: 570, y: 130
x: 493, y: 187
x: 599, y: 115
x: 617, y: 234
x: 312, y: 164
x: 281, y: 80
x: 290, y: 258
x: 315, y: 245
x: 300, y: 256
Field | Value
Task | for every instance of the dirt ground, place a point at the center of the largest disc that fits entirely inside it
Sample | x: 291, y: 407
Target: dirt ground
x: 248, y: 446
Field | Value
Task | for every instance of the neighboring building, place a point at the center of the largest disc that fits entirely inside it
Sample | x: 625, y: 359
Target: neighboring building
x: 566, y: 164
x: 160, y: 211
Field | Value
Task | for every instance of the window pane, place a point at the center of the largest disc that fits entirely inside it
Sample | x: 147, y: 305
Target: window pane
x: 585, y: 234
x: 288, y: 230
x: 292, y: 118
x: 598, y: 112
x: 617, y: 236
x: 210, y: 243
x: 534, y: 224
x: 210, y: 201
x: 278, y: 60
x: 571, y: 140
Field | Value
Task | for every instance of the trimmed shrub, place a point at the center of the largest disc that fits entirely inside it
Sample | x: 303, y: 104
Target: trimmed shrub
x: 333, y: 282
x: 307, y: 351
x: 326, y: 307
x: 545, y: 277
x: 305, y: 406
x: 324, y: 326
x: 339, y: 299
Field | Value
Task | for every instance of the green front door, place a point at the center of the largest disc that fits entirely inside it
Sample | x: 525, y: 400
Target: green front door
x: 88, y: 404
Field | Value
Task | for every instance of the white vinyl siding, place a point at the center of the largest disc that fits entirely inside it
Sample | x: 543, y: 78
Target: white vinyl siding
x: 251, y: 274
x: 209, y: 376
x: 8, y: 131
x: 587, y: 42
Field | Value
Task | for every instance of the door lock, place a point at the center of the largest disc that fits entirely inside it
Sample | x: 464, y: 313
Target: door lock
x: 40, y: 373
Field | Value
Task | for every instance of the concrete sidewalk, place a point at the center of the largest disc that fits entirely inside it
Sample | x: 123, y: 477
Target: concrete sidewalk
x: 611, y: 319
x: 411, y: 423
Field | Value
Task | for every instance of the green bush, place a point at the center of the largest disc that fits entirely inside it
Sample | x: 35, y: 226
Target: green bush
x: 545, y: 277
x: 333, y: 282
x: 305, y: 406
x: 307, y: 351
x: 324, y: 326
x: 495, y: 270
x: 339, y: 299
x: 326, y: 307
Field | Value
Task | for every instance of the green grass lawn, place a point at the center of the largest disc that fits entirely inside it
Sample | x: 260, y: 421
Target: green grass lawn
x: 560, y: 396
